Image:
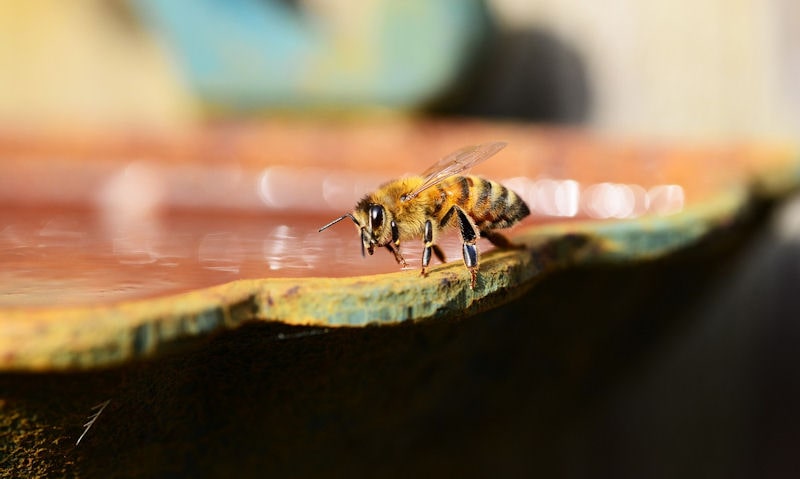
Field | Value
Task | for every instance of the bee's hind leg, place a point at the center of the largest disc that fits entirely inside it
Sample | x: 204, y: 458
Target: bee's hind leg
x: 500, y: 241
x: 469, y: 234
x: 439, y: 253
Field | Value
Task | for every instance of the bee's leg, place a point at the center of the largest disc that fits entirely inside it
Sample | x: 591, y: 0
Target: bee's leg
x: 394, y: 246
x: 397, y: 256
x: 427, y: 237
x: 439, y: 253
x: 469, y: 234
x: 499, y: 240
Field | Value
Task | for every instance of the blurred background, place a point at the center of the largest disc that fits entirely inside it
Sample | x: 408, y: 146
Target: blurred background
x: 677, y: 69
x: 673, y: 369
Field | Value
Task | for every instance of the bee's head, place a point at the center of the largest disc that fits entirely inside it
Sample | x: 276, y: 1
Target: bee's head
x: 373, y: 225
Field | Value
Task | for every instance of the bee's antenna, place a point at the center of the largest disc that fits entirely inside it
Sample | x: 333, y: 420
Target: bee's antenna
x: 350, y: 215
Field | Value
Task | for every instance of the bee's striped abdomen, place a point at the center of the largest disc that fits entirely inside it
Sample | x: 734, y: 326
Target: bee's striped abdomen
x: 495, y: 206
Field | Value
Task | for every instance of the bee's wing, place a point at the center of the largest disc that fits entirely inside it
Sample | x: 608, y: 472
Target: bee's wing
x: 455, y: 163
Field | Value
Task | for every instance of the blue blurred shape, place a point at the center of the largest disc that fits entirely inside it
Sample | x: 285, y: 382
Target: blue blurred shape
x: 262, y: 54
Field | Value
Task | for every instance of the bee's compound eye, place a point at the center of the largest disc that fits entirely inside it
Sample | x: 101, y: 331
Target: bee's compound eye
x: 375, y: 216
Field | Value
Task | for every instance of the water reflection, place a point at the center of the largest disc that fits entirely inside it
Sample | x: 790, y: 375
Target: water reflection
x: 280, y: 187
x: 277, y: 247
x: 567, y: 198
x: 12, y: 237
x: 133, y: 193
x: 129, y: 248
x: 547, y: 197
x: 61, y: 232
x: 315, y: 247
x: 341, y: 190
x: 221, y: 252
x: 666, y: 199
x: 609, y: 200
x: 294, y: 250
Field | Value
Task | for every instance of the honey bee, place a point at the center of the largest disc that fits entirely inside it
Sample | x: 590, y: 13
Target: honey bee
x: 425, y: 205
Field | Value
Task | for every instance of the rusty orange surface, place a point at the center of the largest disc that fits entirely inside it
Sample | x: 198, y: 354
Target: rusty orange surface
x: 87, y: 220
x: 112, y: 247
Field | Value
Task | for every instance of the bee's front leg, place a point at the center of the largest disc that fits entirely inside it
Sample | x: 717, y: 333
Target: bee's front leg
x: 394, y: 246
x: 397, y: 256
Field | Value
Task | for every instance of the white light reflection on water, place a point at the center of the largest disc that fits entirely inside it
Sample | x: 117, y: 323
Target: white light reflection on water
x: 548, y: 197
x: 556, y: 197
x: 129, y: 250
x: 341, y: 191
x: 129, y: 201
x: 607, y: 200
x: 666, y: 199
x: 132, y: 193
x: 313, y: 248
x: 641, y: 201
x: 276, y: 247
x: 283, y: 249
x: 62, y: 232
x: 12, y: 237
x: 284, y: 187
x: 221, y: 252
